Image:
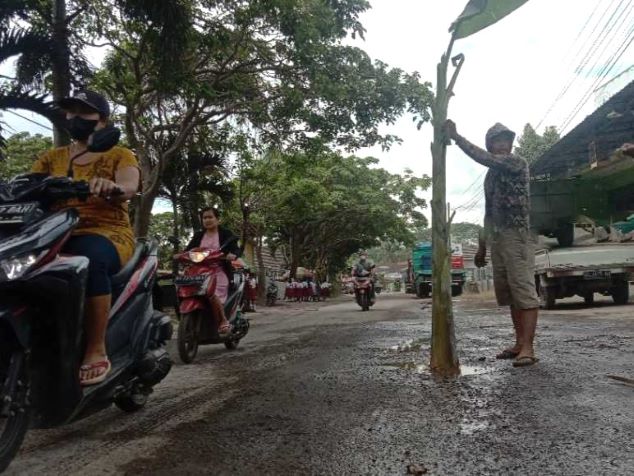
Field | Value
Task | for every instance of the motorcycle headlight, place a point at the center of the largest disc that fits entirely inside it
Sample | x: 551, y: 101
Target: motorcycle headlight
x: 17, y: 266
x: 198, y: 256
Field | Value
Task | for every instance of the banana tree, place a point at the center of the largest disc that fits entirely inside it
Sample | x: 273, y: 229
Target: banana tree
x: 477, y: 15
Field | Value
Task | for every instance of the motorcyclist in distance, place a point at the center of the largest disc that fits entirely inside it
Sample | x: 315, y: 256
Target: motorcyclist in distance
x: 364, y: 267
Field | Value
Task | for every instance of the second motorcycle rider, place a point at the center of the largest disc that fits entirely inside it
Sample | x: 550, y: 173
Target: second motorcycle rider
x: 215, y: 237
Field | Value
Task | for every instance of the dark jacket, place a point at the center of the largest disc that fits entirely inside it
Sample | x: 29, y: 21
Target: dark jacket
x: 228, y: 241
x: 228, y: 244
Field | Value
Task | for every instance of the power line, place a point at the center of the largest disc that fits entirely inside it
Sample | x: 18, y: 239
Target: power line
x: 581, y: 31
x: 585, y: 57
x: 605, y: 71
x: 29, y: 119
x: 464, y: 192
x: 603, y: 34
x: 616, y: 30
x: 473, y: 201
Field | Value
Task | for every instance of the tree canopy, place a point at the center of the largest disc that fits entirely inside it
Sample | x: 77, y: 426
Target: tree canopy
x: 318, y: 210
x: 20, y: 152
x: 531, y: 145
x: 196, y: 83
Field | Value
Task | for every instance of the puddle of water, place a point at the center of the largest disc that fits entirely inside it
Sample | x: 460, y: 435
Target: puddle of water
x: 473, y: 370
x: 408, y: 346
x: 418, y: 368
x: 470, y: 427
x: 465, y: 370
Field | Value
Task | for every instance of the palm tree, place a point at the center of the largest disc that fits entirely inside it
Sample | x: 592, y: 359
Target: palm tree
x: 49, y: 38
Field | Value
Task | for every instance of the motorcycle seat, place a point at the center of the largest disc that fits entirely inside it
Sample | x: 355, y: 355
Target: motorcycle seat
x: 123, y: 276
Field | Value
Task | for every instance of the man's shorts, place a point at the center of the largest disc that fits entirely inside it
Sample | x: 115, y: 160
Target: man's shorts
x: 513, y: 261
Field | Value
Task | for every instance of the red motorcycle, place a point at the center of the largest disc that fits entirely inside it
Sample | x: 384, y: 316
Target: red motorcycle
x: 195, y: 285
x: 364, y: 290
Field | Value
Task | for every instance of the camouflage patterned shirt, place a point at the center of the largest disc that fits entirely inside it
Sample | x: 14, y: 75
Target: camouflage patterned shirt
x: 506, y: 188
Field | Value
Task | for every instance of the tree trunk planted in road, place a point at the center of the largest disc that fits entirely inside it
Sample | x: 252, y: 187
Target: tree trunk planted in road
x: 444, y: 359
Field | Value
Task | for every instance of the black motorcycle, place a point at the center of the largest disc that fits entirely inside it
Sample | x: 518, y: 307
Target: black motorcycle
x: 41, y: 317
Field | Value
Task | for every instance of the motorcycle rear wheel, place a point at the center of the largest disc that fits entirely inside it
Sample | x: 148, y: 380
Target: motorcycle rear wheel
x: 131, y: 402
x: 232, y: 344
x: 188, y: 335
x: 14, y: 426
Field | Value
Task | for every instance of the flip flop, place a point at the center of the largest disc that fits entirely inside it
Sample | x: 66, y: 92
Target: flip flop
x: 525, y: 361
x: 225, y: 330
x: 507, y: 354
x: 101, y: 364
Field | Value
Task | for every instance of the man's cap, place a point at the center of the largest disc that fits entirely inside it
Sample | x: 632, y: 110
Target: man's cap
x: 498, y: 130
x: 87, y: 98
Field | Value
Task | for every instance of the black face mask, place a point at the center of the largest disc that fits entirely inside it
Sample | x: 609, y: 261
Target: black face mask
x: 80, y: 128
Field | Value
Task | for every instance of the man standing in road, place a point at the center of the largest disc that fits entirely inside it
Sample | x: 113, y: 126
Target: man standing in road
x: 506, y: 226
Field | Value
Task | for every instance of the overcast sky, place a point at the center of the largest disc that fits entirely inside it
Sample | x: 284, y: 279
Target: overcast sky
x: 513, y: 72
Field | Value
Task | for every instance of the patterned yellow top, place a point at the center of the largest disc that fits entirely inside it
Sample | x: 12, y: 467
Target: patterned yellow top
x: 96, y: 215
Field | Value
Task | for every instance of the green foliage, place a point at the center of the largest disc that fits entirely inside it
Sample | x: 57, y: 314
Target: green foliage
x: 464, y: 232
x: 390, y: 252
x: 199, y: 175
x: 317, y: 210
x: 162, y: 230
x: 185, y: 69
x: 276, y: 68
x: 531, y: 145
x: 21, y: 151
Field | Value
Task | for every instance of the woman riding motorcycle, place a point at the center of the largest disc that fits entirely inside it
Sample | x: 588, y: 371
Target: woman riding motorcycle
x: 104, y: 234
x: 215, y: 237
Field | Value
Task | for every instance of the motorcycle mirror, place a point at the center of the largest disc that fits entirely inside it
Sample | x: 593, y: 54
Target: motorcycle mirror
x: 103, y: 140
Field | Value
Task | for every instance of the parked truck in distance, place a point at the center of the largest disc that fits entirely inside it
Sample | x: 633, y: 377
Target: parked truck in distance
x: 603, y: 268
x: 420, y: 271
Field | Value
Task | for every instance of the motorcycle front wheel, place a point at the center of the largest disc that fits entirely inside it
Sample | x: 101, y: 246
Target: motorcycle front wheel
x: 188, y: 335
x: 365, y: 306
x: 15, y: 422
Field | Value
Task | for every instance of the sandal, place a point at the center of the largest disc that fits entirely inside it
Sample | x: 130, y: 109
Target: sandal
x: 104, y: 366
x: 525, y: 361
x: 225, y: 330
x: 507, y: 354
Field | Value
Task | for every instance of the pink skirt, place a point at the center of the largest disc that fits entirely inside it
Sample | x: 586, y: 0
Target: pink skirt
x: 222, y: 286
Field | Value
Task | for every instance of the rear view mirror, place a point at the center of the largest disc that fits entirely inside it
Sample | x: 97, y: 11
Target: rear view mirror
x: 104, y: 139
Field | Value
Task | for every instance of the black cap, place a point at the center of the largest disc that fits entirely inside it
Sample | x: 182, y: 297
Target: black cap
x: 87, y: 98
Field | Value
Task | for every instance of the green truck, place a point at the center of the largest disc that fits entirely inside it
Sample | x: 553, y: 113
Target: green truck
x: 604, y: 193
x: 419, y: 280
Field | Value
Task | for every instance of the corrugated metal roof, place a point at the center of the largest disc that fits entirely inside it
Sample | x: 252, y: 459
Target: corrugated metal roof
x: 595, y: 138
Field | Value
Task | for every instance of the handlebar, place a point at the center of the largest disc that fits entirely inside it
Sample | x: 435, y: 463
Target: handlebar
x: 67, y: 189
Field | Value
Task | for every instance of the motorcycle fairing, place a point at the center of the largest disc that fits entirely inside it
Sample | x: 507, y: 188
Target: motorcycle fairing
x: 40, y: 235
x: 57, y: 291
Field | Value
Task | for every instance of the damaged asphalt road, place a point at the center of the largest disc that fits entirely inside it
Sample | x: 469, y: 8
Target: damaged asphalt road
x: 327, y: 389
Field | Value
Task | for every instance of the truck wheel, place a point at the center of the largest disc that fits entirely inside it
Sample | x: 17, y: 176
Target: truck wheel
x: 621, y: 293
x: 546, y: 297
x: 566, y: 235
x: 423, y: 291
x: 588, y: 298
x: 456, y: 290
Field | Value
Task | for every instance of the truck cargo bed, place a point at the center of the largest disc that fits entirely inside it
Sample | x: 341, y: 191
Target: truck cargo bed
x: 600, y: 255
